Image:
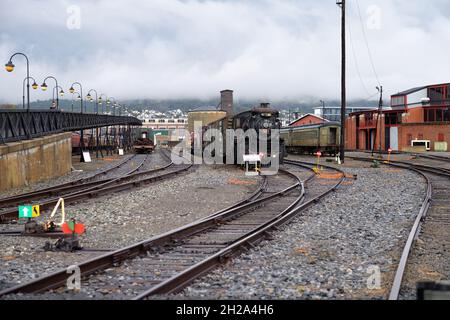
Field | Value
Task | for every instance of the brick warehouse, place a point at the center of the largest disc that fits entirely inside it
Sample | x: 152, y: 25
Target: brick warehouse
x: 415, y: 115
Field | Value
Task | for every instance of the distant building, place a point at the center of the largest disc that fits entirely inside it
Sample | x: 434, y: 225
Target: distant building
x: 334, y: 113
x: 418, y: 116
x: 307, y: 119
x: 175, y: 128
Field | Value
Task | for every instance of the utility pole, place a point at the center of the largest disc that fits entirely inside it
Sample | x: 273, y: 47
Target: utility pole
x: 380, y: 113
x: 341, y: 4
x: 379, y: 123
x: 323, y: 110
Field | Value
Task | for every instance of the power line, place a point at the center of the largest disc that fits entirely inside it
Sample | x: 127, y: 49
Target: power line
x: 356, y: 60
x: 367, y: 43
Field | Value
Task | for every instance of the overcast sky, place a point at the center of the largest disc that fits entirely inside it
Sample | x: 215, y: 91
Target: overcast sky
x: 263, y: 49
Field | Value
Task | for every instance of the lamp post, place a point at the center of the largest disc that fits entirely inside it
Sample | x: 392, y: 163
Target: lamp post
x: 114, y: 104
x: 100, y: 101
x: 34, y: 86
x: 10, y: 68
x: 96, y: 130
x: 78, y: 98
x: 56, y: 93
x: 89, y: 97
x: 72, y: 90
x: 44, y: 88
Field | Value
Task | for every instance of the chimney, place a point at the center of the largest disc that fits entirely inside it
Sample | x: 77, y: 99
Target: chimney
x: 226, y: 100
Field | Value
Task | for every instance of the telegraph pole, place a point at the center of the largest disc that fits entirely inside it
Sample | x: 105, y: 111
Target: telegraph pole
x: 341, y: 4
x: 380, y: 113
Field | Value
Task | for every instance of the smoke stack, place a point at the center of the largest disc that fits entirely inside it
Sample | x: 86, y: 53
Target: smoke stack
x: 226, y: 100
x: 265, y: 105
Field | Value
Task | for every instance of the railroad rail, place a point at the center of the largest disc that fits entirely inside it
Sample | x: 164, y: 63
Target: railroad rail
x: 68, y: 187
x: 431, y: 208
x: 125, y: 182
x: 414, y: 154
x: 178, y: 257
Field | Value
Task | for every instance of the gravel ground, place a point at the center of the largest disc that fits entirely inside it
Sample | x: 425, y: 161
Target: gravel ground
x: 125, y: 218
x: 327, y: 252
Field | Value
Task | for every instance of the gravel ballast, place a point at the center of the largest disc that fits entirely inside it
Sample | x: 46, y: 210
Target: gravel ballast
x: 333, y: 249
x: 124, y: 218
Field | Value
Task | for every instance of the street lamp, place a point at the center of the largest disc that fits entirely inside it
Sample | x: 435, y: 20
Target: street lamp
x: 10, y: 68
x: 78, y: 97
x: 34, y: 86
x: 55, y: 92
x: 89, y: 97
x: 100, y: 100
x: 72, y: 90
x: 44, y: 88
x: 114, y: 104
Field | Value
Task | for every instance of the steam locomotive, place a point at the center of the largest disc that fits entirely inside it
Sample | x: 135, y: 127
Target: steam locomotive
x: 264, y: 120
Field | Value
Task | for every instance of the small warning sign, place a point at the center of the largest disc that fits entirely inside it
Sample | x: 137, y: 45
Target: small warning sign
x: 29, y: 211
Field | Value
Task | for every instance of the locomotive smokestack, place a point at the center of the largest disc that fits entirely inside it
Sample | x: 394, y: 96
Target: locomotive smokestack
x: 226, y: 101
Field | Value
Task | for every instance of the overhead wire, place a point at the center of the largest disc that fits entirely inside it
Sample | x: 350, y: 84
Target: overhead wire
x: 355, y: 60
x: 367, y: 43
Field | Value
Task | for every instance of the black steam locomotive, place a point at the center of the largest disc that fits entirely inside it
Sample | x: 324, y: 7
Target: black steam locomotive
x: 263, y: 120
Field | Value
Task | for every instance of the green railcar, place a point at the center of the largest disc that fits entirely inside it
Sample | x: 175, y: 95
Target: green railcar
x: 312, y: 138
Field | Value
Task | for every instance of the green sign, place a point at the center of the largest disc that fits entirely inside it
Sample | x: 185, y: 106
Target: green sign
x: 29, y: 211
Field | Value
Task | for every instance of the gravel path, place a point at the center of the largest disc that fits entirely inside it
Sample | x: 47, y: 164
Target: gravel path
x: 124, y: 218
x: 327, y: 252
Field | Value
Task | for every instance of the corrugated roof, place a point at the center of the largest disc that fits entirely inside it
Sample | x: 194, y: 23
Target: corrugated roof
x: 406, y: 92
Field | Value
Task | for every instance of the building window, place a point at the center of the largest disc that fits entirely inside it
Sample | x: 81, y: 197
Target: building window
x: 437, y: 115
x: 436, y: 94
x: 393, y: 118
x: 151, y: 121
x: 398, y: 101
x: 161, y: 121
x: 180, y: 121
x: 448, y: 93
x: 171, y: 121
x: 447, y: 114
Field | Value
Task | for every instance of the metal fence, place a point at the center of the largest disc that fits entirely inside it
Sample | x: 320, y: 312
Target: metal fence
x: 16, y: 125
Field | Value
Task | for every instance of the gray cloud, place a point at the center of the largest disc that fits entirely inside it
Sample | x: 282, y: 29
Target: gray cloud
x: 269, y: 49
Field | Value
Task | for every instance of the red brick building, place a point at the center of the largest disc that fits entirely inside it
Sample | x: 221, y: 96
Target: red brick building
x: 415, y: 115
x: 308, y: 119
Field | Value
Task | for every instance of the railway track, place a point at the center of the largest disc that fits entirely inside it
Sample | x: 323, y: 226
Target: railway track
x: 432, y: 226
x: 130, y: 180
x: 80, y: 184
x: 167, y: 263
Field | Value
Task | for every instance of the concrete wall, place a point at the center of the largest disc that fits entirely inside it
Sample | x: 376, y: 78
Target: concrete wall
x: 26, y: 162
